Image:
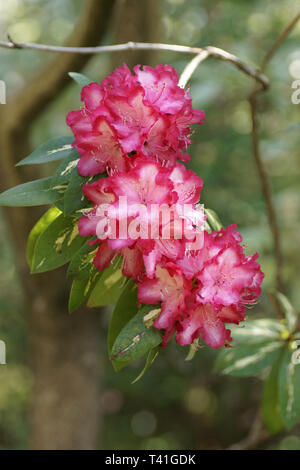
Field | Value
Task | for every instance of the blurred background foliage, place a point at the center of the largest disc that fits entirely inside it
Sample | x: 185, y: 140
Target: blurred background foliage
x: 178, y: 404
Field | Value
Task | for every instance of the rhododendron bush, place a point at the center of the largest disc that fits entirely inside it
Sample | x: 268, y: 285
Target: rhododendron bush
x: 127, y: 216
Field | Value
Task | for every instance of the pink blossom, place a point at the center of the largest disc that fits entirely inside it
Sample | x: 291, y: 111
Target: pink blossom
x: 135, y: 127
x: 146, y: 113
x: 206, y: 323
x: 230, y: 278
x: 209, y: 288
x: 170, y: 288
x: 146, y: 186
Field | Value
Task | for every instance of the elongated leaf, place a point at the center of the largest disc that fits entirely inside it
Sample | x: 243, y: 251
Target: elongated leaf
x: 257, y: 331
x: 270, y: 402
x: 54, y: 149
x: 39, y: 227
x: 247, y: 360
x: 288, y: 310
x: 79, y: 78
x: 56, y: 245
x: 65, y: 171
x: 125, y: 308
x: 289, y: 390
x: 213, y: 220
x: 108, y: 289
x: 152, y: 355
x: 81, y: 289
x: 74, y: 199
x: 136, y: 339
x: 81, y: 263
x: 194, y: 347
x: 34, y: 193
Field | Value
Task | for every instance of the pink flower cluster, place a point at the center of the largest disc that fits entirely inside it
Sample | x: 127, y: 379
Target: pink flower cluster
x: 145, y: 114
x: 153, y: 226
x: 204, y: 289
x: 136, y: 127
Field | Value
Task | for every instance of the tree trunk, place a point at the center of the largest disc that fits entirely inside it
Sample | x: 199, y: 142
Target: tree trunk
x: 66, y: 361
x: 63, y: 348
x: 140, y: 21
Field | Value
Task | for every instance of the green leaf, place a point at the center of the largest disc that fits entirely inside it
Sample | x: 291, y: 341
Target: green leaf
x: 125, y: 308
x: 108, y: 289
x: 56, y: 245
x: 288, y: 310
x: 79, y: 78
x: 65, y: 171
x: 136, y: 339
x: 247, y: 360
x: 54, y: 149
x: 213, y: 220
x: 81, y: 289
x: 289, y: 390
x: 194, y: 347
x: 74, y: 199
x: 270, y: 401
x: 257, y: 331
x: 152, y: 355
x: 39, y: 227
x: 257, y: 346
x: 82, y: 262
x: 34, y: 193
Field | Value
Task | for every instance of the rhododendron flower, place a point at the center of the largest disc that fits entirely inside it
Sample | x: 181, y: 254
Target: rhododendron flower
x: 207, y: 323
x: 171, y: 289
x: 146, y: 114
x: 210, y: 287
x: 230, y: 278
x: 135, y: 127
x: 150, y: 211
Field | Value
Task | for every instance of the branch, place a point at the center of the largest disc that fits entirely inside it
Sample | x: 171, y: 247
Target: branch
x: 279, y: 41
x: 41, y: 90
x: 191, y: 67
x: 262, y: 172
x: 21, y: 111
x: 266, y: 189
x: 257, y: 435
x: 210, y: 51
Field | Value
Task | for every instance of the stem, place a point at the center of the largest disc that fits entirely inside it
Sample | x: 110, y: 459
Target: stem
x: 208, y: 50
x: 266, y: 190
x: 279, y: 41
x: 191, y: 67
x: 262, y: 172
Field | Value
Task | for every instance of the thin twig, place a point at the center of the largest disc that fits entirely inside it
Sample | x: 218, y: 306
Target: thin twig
x: 209, y: 51
x: 191, y: 67
x: 279, y: 41
x: 262, y: 172
x: 257, y: 435
x: 266, y: 189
